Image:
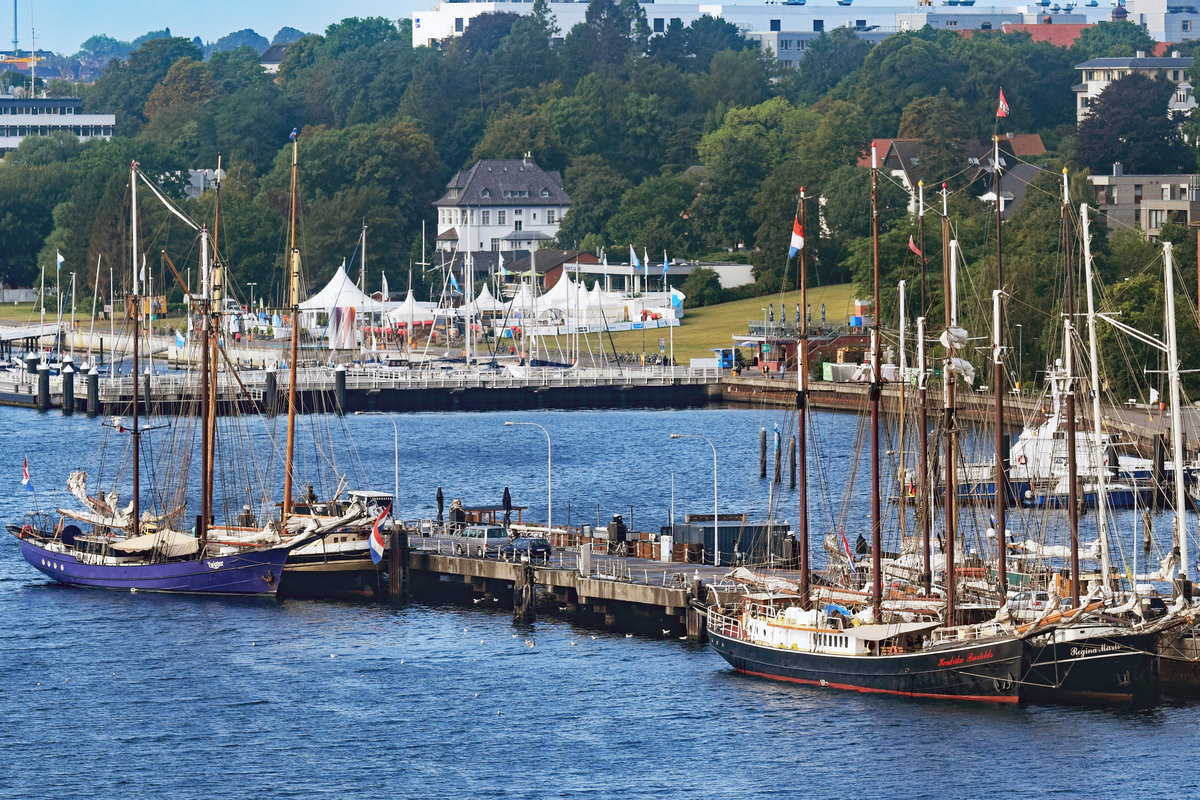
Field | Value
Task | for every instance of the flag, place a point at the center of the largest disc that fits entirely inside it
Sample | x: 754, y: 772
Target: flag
x: 770, y: 312
x: 846, y: 548
x: 28, y: 484
x: 503, y: 271
x: 913, y: 246
x: 797, y: 238
x: 294, y: 134
x: 666, y: 263
x: 384, y: 290
x: 1002, y: 109
x: 60, y: 259
x: 646, y: 263
x: 454, y: 282
x: 677, y: 297
x: 179, y: 340
x: 633, y: 259
x: 376, y: 538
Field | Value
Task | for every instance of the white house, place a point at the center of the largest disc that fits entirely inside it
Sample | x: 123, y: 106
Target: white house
x: 22, y: 116
x: 500, y: 205
x: 1095, y: 75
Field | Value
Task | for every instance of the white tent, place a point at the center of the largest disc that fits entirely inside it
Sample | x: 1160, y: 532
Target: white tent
x: 411, y: 311
x: 341, y: 292
x: 486, y: 302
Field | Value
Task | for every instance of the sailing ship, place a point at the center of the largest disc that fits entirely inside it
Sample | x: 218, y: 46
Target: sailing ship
x: 125, y: 548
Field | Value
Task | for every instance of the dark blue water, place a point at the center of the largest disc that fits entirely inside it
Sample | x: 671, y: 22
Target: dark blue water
x: 143, y: 696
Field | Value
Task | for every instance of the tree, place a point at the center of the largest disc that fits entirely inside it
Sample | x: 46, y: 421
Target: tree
x: 651, y: 216
x: 124, y: 88
x: 595, y: 190
x: 603, y: 39
x: 827, y: 60
x: 702, y: 287
x: 1109, y: 39
x: 514, y: 135
x: 288, y: 35
x: 1130, y: 123
x: 232, y: 41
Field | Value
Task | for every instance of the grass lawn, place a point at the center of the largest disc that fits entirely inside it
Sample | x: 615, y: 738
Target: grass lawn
x: 715, y: 326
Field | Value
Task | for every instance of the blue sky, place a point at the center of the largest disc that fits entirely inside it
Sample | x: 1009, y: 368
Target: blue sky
x: 62, y: 25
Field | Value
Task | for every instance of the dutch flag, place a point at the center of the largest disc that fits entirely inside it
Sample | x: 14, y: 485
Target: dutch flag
x: 376, y: 539
x: 28, y: 484
x: 797, y: 238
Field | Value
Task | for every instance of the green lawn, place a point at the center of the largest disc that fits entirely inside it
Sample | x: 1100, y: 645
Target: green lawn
x: 715, y: 326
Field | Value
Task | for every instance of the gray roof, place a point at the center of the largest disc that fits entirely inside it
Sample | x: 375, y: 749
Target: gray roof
x: 505, y: 182
x: 1144, y: 62
x: 274, y: 54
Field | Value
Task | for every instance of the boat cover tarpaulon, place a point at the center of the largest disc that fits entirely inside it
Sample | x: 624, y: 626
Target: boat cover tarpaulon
x: 169, y: 543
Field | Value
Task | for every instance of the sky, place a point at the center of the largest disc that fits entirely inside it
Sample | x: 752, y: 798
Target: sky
x: 62, y: 25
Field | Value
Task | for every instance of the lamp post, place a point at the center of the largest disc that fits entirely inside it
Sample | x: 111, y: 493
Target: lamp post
x: 716, y: 542
x: 395, y: 450
x: 549, y: 491
x: 251, y: 284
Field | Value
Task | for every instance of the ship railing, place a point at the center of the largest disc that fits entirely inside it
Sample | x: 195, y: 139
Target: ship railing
x: 722, y: 623
x: 966, y: 633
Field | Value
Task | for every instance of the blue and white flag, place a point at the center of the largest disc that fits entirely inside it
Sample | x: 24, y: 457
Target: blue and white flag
x: 454, y: 282
x: 60, y: 259
x: 633, y: 259
x: 503, y: 271
x: 180, y: 342
x: 677, y: 297
x: 666, y: 263
x: 646, y: 263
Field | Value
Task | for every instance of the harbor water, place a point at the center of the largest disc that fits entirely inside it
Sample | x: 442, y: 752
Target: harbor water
x: 147, y: 696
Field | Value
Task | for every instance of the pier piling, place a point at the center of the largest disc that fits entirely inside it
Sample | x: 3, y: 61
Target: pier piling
x: 270, y: 391
x: 339, y: 388
x: 523, y: 593
x: 93, y: 392
x: 43, y: 395
x: 68, y: 389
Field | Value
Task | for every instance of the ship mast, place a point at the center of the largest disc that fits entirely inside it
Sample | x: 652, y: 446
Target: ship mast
x: 1069, y: 389
x: 1001, y: 477
x: 1097, y: 426
x: 924, y: 503
x: 876, y: 389
x: 294, y: 303
x: 801, y: 422
x: 949, y: 263
x: 135, y: 432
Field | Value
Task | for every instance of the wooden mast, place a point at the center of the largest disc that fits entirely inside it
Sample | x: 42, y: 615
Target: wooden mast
x: 948, y: 422
x: 1001, y: 476
x: 924, y: 502
x: 206, y: 466
x: 1069, y: 390
x: 876, y: 387
x: 294, y: 303
x: 801, y: 422
x: 135, y: 432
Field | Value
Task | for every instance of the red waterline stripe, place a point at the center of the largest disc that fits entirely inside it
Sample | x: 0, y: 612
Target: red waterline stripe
x: 848, y: 687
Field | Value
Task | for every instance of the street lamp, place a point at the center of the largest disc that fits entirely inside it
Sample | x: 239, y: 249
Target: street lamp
x: 251, y: 284
x: 716, y: 542
x: 395, y: 450
x: 549, y: 494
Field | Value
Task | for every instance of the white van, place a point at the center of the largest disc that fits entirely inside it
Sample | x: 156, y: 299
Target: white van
x: 479, y: 540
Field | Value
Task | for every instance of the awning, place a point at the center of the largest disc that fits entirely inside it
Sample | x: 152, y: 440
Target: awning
x: 169, y: 543
x: 877, y: 633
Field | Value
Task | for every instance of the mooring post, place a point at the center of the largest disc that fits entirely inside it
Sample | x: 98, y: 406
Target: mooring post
x: 762, y: 453
x: 339, y: 388
x: 523, y: 593
x: 270, y: 391
x: 93, y: 392
x: 43, y: 395
x: 398, y: 565
x: 68, y: 398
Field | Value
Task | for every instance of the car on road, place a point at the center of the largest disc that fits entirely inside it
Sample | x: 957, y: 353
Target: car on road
x: 479, y: 540
x: 532, y: 547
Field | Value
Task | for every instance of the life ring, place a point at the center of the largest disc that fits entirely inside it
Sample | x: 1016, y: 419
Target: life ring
x: 1022, y: 460
x: 26, y: 530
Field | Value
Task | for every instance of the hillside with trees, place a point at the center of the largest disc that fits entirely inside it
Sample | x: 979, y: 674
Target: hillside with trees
x: 691, y: 142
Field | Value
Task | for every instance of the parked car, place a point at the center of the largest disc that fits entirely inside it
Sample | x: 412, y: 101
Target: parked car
x: 535, y: 548
x: 479, y: 540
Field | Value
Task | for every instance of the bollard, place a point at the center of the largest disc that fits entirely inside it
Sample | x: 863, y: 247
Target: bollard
x: 146, y: 391
x: 762, y: 452
x: 31, y: 363
x: 93, y: 392
x: 792, y: 463
x: 43, y: 395
x: 778, y: 458
x: 68, y: 396
x: 270, y: 391
x: 339, y: 388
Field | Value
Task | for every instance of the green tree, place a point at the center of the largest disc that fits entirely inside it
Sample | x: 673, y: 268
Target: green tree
x: 651, y: 216
x: 1109, y: 39
x: 1130, y: 123
x: 702, y: 287
x: 124, y: 88
x: 595, y: 190
x: 517, y: 134
x: 828, y: 59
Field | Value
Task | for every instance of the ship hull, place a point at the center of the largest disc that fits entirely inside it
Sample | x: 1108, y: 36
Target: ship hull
x: 251, y: 573
x: 985, y: 671
x: 1113, y: 669
x: 337, y: 578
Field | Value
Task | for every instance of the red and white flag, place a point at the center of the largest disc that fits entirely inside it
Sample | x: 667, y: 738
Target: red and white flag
x: 1002, y: 109
x: 25, y: 481
x: 848, y: 551
x: 376, y: 538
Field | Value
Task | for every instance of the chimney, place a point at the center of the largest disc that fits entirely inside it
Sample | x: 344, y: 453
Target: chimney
x: 1174, y: 54
x: 1140, y: 54
x: 1118, y: 170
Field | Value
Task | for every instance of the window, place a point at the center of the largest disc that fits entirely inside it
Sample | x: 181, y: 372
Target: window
x: 860, y: 23
x: 1089, y: 75
x: 676, y: 19
x: 787, y: 62
x: 535, y: 216
x: 518, y: 212
x: 818, y: 25
x: 659, y: 27
x: 544, y: 193
x: 1137, y: 194
x: 485, y: 217
x: 501, y: 217
x: 775, y: 25
x: 1155, y: 217
x: 458, y: 24
x: 495, y: 245
x: 785, y: 44
x: 1186, y: 26
x: 485, y: 193
x: 1166, y: 191
x: 516, y: 224
x: 550, y: 217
